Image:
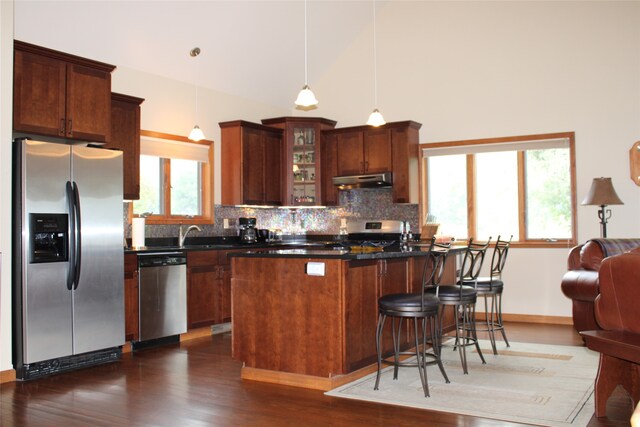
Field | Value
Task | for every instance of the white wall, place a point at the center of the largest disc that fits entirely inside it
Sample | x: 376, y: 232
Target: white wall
x: 487, y: 69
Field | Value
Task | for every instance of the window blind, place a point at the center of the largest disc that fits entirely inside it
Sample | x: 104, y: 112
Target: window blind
x: 540, y: 144
x: 167, y: 149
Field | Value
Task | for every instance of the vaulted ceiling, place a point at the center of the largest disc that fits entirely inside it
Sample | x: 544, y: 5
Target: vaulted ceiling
x: 253, y: 49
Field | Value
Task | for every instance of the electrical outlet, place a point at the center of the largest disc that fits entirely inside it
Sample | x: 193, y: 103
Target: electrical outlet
x: 225, y: 223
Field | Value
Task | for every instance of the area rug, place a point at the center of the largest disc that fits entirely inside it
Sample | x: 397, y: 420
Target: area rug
x: 545, y: 385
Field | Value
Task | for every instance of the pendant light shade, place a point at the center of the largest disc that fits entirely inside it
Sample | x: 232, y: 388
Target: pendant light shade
x: 375, y: 119
x: 196, y: 133
x: 305, y: 98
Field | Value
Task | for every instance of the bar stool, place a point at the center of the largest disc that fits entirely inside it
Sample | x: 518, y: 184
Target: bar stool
x: 462, y: 298
x: 491, y: 288
x: 417, y: 306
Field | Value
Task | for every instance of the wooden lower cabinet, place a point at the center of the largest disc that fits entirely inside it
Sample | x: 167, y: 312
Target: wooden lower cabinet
x: 223, y: 309
x: 361, y: 302
x: 131, y: 308
x: 208, y: 288
x: 366, y: 281
x: 286, y: 320
x: 202, y: 283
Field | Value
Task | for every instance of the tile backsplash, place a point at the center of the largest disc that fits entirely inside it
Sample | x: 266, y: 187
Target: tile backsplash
x: 354, y: 204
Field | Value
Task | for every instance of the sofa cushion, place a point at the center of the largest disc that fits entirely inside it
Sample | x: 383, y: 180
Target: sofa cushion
x: 595, y: 250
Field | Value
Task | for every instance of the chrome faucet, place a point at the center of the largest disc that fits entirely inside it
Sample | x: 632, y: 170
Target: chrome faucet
x: 183, y: 236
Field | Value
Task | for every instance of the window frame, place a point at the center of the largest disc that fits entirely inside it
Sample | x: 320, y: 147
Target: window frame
x: 471, y: 187
x: 206, y: 177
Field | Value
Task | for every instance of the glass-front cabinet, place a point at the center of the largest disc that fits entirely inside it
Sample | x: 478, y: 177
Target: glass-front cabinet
x: 301, y: 186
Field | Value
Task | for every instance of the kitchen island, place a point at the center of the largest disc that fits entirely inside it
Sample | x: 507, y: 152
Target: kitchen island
x: 307, y: 317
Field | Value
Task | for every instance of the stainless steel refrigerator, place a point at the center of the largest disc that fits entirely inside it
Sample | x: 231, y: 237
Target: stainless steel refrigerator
x: 68, y: 260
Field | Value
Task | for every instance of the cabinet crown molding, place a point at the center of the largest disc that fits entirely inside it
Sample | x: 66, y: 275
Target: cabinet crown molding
x: 67, y: 57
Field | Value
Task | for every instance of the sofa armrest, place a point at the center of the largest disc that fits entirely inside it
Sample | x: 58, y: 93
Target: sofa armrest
x: 580, y: 285
x: 573, y: 260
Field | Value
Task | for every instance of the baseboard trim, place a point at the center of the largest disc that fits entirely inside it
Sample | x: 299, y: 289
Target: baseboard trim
x: 531, y: 318
x: 7, y: 376
x: 302, y: 380
x: 205, y: 331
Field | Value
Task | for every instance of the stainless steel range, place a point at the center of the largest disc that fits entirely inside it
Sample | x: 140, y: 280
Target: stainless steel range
x: 379, y: 233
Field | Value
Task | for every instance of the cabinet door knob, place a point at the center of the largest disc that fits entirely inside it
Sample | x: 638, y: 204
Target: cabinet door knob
x: 61, y: 131
x: 70, y: 128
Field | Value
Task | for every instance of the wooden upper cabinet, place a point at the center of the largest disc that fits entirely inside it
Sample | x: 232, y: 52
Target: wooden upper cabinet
x: 125, y: 136
x: 329, y: 169
x: 350, y: 147
x: 61, y: 95
x: 302, y: 158
x: 39, y: 94
x: 365, y: 150
x: 377, y: 151
x: 251, y: 164
x: 272, y: 146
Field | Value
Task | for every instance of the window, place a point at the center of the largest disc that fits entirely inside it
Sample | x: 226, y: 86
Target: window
x: 520, y: 186
x: 175, y: 179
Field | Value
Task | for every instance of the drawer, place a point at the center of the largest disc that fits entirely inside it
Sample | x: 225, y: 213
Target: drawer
x: 202, y: 258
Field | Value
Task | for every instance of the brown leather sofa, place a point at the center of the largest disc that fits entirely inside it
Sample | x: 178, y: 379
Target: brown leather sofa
x: 618, y: 340
x: 580, y: 283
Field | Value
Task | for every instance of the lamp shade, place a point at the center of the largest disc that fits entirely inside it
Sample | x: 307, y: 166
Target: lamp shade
x: 196, y: 134
x: 306, y: 98
x: 602, y: 193
x: 376, y: 119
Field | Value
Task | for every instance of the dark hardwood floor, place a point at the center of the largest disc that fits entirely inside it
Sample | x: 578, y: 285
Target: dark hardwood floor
x: 197, y: 383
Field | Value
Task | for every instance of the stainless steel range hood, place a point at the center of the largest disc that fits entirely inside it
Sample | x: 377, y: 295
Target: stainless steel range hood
x: 374, y: 180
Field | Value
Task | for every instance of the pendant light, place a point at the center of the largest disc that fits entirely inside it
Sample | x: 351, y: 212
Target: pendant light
x: 375, y: 119
x: 196, y: 133
x: 305, y: 98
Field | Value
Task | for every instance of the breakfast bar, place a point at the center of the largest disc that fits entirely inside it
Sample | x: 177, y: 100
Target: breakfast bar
x: 307, y: 317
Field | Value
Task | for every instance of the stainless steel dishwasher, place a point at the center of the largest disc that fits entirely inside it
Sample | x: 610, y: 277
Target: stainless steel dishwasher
x: 162, y: 294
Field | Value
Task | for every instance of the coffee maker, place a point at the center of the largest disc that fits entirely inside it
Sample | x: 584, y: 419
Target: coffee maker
x: 248, y: 230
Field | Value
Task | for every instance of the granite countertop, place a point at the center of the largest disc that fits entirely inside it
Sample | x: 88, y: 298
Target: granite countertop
x: 312, y: 247
x: 224, y: 243
x: 395, y: 251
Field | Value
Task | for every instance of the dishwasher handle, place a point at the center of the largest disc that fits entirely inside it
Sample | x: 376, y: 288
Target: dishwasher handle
x: 158, y: 260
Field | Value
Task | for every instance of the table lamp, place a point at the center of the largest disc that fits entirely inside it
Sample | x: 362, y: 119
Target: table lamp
x: 602, y: 194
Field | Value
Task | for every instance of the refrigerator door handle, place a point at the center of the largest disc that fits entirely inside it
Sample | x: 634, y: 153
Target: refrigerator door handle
x: 71, y: 274
x: 78, y: 243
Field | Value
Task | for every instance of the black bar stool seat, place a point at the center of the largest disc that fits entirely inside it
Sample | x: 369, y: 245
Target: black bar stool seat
x: 409, y: 305
x: 462, y: 295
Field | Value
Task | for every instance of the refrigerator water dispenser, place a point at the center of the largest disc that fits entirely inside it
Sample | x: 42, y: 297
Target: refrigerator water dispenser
x: 48, y: 238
